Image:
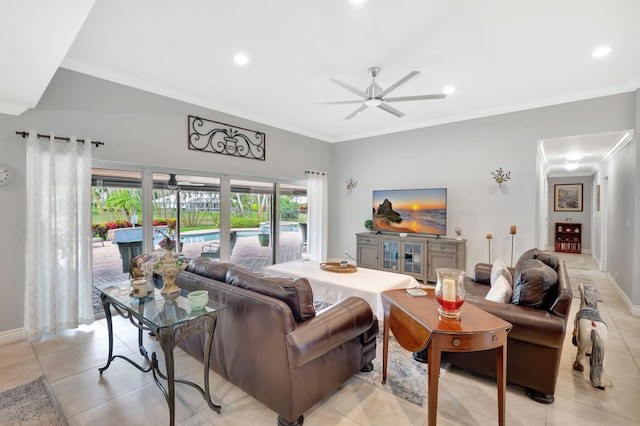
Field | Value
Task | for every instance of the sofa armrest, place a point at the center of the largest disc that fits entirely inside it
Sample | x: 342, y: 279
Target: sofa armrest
x: 339, y: 323
x: 482, y: 273
x: 531, y: 325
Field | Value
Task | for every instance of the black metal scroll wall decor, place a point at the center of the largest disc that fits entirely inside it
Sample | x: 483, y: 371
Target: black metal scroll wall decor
x: 220, y: 138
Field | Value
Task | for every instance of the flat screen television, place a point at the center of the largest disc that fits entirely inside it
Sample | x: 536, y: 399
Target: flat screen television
x: 415, y: 211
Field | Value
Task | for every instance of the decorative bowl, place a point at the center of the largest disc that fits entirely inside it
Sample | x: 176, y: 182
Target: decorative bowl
x: 198, y: 299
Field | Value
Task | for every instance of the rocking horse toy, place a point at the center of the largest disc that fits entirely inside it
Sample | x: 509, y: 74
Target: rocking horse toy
x: 590, y: 335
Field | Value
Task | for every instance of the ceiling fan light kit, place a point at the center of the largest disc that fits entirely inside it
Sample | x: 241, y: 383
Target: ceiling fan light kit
x: 374, y: 96
x: 172, y: 183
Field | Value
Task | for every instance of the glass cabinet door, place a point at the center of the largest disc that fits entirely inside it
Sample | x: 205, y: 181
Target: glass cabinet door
x: 413, y: 253
x: 390, y: 255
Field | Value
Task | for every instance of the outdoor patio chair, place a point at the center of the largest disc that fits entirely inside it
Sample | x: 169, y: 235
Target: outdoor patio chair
x: 212, y: 250
x: 128, y: 251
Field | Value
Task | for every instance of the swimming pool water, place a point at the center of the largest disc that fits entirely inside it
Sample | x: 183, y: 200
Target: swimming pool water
x: 204, y: 237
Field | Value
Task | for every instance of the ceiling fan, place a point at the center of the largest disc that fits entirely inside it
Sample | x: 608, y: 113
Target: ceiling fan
x: 374, y: 96
x: 173, y: 183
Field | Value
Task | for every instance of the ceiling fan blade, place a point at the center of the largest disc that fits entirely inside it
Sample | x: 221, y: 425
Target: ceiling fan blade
x: 415, y: 98
x: 356, y: 112
x: 349, y: 87
x: 391, y: 110
x: 338, y: 102
x: 402, y: 81
x: 181, y: 183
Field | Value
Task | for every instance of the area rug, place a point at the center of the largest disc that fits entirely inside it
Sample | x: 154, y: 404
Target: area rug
x: 406, y: 378
x: 29, y: 404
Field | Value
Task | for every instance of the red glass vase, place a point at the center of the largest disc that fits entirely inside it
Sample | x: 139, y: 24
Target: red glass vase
x: 450, y: 291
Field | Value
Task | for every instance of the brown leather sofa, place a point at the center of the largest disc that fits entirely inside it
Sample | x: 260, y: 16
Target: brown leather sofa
x: 270, y: 343
x: 534, y: 345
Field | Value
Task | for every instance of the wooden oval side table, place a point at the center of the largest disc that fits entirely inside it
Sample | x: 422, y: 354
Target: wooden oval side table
x: 416, y: 325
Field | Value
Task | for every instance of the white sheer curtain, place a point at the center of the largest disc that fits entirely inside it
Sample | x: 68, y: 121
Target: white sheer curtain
x: 58, y: 243
x: 318, y: 215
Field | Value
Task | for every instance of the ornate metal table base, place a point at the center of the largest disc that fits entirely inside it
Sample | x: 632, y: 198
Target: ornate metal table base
x: 168, y: 337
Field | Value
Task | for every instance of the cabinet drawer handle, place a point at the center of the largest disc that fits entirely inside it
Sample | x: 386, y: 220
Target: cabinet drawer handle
x: 456, y: 342
x: 494, y: 338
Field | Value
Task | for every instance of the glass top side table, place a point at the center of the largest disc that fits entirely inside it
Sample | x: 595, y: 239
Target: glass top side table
x: 171, y: 319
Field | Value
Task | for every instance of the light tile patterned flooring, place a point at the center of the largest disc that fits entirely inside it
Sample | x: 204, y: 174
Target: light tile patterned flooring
x: 124, y: 396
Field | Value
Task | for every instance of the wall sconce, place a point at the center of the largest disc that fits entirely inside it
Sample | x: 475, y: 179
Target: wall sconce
x: 351, y: 184
x: 500, y: 176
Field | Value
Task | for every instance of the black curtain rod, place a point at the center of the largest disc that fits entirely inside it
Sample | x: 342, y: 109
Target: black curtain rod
x: 60, y: 138
x: 313, y: 172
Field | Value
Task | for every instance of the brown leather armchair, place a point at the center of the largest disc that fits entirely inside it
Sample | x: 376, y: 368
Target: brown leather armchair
x: 259, y: 347
x: 534, y: 345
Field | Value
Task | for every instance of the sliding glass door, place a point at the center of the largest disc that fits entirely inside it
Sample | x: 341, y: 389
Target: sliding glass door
x: 293, y: 222
x: 188, y: 215
x: 186, y: 209
x: 117, y: 214
x: 251, y: 205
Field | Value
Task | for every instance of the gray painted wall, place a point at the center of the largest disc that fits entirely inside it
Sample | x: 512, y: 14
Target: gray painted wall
x: 145, y: 129
x: 138, y: 128
x: 634, y: 283
x: 618, y: 180
x: 461, y: 157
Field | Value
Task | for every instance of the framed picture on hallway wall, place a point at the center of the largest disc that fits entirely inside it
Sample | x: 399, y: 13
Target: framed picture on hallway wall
x: 567, y: 197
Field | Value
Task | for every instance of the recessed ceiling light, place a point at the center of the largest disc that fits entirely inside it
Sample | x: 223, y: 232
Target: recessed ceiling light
x: 574, y: 157
x: 448, y: 90
x: 357, y: 2
x: 601, y: 51
x: 241, y: 59
x: 570, y: 166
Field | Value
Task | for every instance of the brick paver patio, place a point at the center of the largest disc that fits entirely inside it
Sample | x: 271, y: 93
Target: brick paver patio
x: 107, y: 265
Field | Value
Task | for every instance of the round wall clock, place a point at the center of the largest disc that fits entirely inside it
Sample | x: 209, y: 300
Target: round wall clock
x: 6, y: 174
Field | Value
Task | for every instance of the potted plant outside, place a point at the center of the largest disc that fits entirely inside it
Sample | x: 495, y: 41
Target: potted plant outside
x: 263, y: 239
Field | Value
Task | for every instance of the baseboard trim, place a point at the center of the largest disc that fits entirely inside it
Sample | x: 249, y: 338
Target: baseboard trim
x: 633, y: 309
x: 13, y: 336
x: 598, y: 263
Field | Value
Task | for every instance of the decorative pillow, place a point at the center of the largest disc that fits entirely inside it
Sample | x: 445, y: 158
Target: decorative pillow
x: 500, y: 269
x: 296, y: 293
x: 529, y: 254
x: 548, y: 258
x: 500, y: 290
x: 208, y: 268
x: 533, y: 281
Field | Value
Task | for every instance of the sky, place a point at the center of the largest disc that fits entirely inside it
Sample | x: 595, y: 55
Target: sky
x: 413, y: 199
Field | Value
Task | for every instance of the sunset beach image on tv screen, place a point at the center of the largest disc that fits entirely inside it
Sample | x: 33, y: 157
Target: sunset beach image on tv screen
x: 417, y: 211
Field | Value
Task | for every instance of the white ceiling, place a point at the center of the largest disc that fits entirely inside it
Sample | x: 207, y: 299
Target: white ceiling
x: 500, y: 55
x: 35, y: 36
x: 585, y: 152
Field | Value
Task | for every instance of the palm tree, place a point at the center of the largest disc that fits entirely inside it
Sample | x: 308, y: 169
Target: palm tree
x: 124, y: 202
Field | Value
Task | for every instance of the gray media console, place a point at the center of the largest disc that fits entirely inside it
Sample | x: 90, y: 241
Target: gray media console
x: 417, y: 256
